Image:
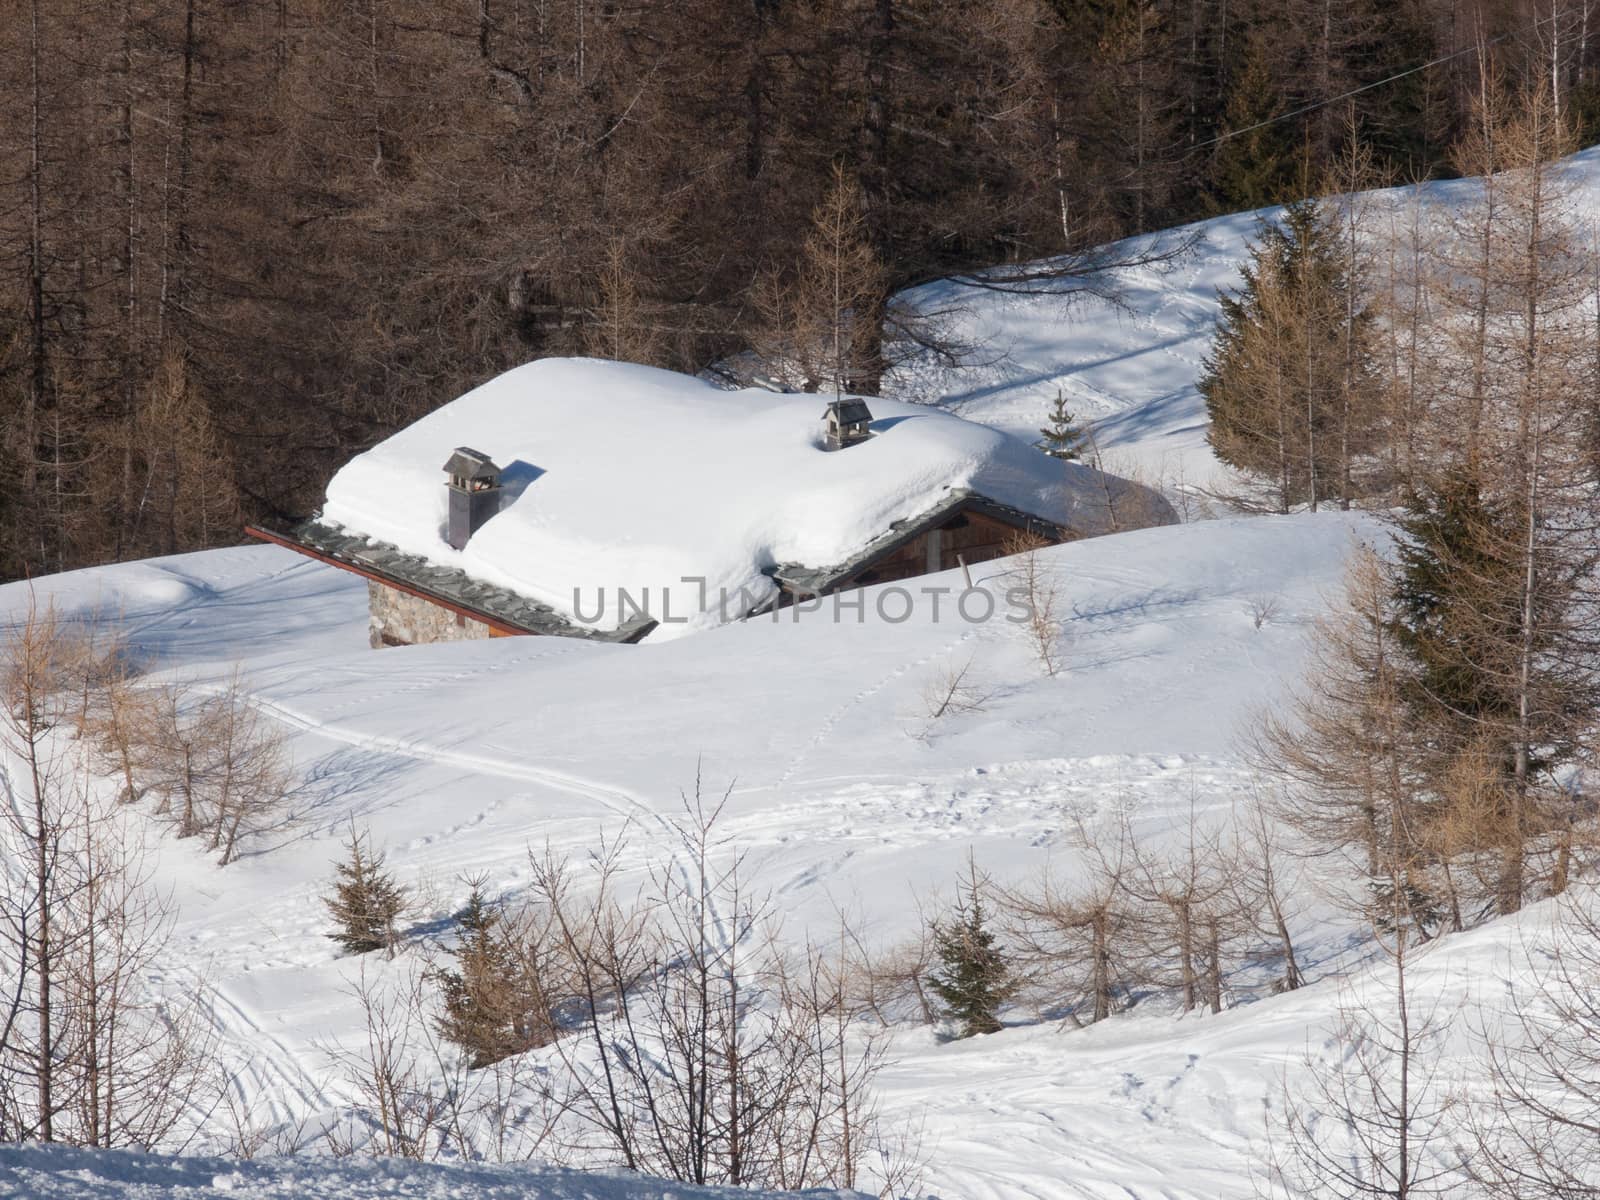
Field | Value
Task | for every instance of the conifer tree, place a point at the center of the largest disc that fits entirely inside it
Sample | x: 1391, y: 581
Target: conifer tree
x: 365, y: 902
x: 1063, y: 435
x: 973, y: 978
x: 808, y: 325
x: 1290, y: 365
x: 1255, y: 165
x: 1491, y: 660
x: 1446, y: 564
x: 1499, y: 550
x: 491, y: 1008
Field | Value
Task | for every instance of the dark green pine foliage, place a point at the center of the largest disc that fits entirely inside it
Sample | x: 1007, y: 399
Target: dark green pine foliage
x: 1585, y: 109
x: 1062, y: 436
x: 972, y: 979
x: 1458, y: 590
x: 1408, y: 120
x: 1444, y: 559
x: 365, y: 902
x: 488, y: 1009
x: 1257, y: 164
x: 1454, y: 586
x: 1406, y: 907
x: 15, y: 546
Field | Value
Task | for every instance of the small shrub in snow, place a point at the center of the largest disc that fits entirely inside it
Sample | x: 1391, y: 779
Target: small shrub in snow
x: 1062, y: 435
x: 492, y: 1006
x: 365, y: 902
x: 973, y: 978
x: 1263, y: 608
x: 1037, y: 583
x: 216, y: 766
x: 951, y: 691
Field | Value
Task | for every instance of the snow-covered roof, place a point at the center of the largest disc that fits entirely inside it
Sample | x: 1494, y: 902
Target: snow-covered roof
x: 618, y: 476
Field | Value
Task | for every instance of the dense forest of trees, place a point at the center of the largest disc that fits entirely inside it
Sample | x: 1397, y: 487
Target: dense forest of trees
x: 239, y: 242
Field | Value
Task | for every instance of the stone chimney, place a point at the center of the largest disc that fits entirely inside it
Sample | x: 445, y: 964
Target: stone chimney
x: 474, y: 487
x: 847, y: 422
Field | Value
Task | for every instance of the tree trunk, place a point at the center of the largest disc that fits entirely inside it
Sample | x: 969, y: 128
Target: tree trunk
x: 38, y: 377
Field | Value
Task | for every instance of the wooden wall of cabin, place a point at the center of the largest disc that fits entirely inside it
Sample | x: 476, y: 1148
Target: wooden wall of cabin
x: 969, y: 536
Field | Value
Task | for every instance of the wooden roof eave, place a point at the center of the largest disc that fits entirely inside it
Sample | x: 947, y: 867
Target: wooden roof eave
x: 820, y: 582
x: 369, y: 572
x: 545, y: 623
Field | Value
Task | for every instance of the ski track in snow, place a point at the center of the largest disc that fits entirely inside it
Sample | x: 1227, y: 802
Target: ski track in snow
x: 620, y: 803
x: 276, y: 1076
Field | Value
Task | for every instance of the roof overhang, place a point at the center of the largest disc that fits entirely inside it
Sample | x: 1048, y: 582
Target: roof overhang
x: 502, y: 610
x: 813, y: 581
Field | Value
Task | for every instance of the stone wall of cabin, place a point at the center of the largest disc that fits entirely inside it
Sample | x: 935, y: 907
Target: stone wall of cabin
x: 397, y: 618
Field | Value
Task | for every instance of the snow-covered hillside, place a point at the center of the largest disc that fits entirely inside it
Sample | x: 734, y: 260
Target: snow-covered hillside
x: 844, y: 791
x: 1128, y: 363
x: 459, y: 757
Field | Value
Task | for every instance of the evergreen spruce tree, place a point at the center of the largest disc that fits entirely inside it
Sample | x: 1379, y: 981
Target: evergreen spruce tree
x: 1446, y: 571
x: 1498, y: 701
x: 1457, y: 583
x: 1063, y: 435
x: 972, y: 979
x: 491, y: 1008
x: 1258, y: 164
x: 1287, y: 398
x: 365, y: 902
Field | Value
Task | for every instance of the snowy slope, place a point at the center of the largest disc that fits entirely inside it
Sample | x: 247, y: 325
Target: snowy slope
x: 620, y: 476
x: 458, y: 757
x: 1129, y: 365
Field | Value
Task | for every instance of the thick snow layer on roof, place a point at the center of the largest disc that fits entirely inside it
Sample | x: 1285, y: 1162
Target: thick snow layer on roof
x: 629, y: 478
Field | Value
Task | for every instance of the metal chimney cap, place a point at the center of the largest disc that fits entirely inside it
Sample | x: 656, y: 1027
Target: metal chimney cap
x: 473, y: 465
x: 848, y: 412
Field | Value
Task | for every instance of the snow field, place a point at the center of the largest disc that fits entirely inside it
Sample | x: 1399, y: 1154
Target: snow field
x: 459, y: 758
x: 62, y: 1173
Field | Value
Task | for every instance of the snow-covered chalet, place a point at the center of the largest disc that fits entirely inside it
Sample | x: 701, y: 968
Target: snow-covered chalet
x: 609, y: 501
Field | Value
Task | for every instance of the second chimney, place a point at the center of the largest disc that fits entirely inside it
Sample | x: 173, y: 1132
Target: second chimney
x: 847, y: 422
x: 474, y: 487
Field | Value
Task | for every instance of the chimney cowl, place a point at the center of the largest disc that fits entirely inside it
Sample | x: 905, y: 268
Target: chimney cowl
x: 847, y: 422
x: 473, y: 485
